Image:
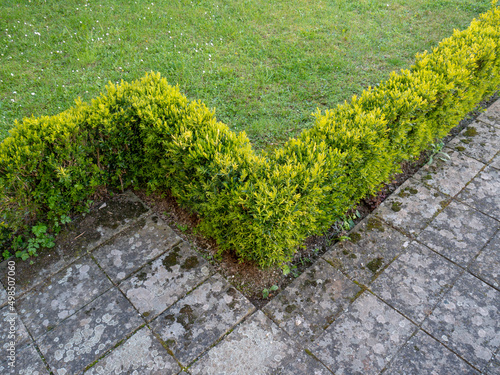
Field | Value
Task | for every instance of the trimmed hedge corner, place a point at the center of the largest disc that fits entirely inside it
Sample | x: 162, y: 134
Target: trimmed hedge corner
x: 262, y: 206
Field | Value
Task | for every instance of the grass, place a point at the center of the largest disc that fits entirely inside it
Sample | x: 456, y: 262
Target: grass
x: 265, y: 65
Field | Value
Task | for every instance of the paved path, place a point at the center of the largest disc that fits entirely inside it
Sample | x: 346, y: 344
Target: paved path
x: 415, y: 291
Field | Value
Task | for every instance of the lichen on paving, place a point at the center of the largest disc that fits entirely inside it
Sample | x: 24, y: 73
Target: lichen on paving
x: 134, y: 247
x: 363, y: 339
x: 459, y: 232
x: 67, y: 292
x: 483, y: 145
x: 257, y: 346
x: 375, y: 246
x: 416, y: 281
x: 198, y: 320
x: 82, y: 338
x: 165, y: 280
x: 467, y: 321
x: 313, y: 301
x: 414, y: 211
x: 140, y: 354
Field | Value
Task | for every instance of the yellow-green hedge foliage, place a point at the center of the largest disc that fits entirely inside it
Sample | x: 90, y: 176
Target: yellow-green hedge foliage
x: 147, y: 132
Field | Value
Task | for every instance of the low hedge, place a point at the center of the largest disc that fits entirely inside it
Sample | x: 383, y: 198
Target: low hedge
x: 262, y: 206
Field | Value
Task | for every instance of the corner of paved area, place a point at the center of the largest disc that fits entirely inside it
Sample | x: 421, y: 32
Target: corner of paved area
x: 78, y: 239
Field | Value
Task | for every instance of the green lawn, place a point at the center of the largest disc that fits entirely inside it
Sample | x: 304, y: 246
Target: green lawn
x: 265, y: 65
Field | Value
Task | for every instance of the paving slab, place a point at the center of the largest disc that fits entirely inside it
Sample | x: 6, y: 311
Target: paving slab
x: 372, y: 246
x: 493, y: 367
x: 134, y: 247
x: 483, y: 192
x: 492, y: 115
x: 79, y: 237
x: 62, y: 295
x: 28, y: 362
x: 411, y: 207
x: 459, y: 233
x: 197, y: 321
x: 3, y: 296
x: 87, y: 335
x: 467, y: 320
x: 479, y: 141
x: 312, y: 302
x: 101, y: 224
x: 487, y: 264
x: 495, y: 163
x: 140, y: 354
x: 423, y: 355
x: 449, y: 176
x: 259, y: 347
x: 165, y: 280
x: 364, y: 338
x: 12, y: 329
x: 416, y: 281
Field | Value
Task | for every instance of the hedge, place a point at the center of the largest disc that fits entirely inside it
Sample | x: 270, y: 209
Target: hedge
x: 262, y: 206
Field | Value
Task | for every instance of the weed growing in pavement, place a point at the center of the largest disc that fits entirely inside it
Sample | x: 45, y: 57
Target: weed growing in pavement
x: 265, y: 292
x: 182, y: 227
x: 437, y: 151
x: 41, y: 240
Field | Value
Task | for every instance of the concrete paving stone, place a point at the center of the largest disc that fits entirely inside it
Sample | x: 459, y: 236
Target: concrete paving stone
x: 28, y: 362
x: 423, y: 355
x: 495, y: 163
x: 415, y: 282
x: 85, y: 336
x: 483, y: 192
x: 492, y: 115
x: 164, y: 281
x: 303, y: 363
x: 62, y: 295
x: 12, y: 326
x: 312, y: 302
x: 134, y: 247
x: 78, y: 237
x: 411, y: 207
x: 48, y: 263
x: 257, y: 347
x: 363, y: 339
x: 449, y: 176
x: 140, y: 354
x: 494, y: 366
x: 3, y: 296
x: 459, y: 232
x: 487, y: 265
x: 372, y: 246
x: 106, y: 221
x: 467, y: 320
x: 479, y: 141
x: 197, y: 321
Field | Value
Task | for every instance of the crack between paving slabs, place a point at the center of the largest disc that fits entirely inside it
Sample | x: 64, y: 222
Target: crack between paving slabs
x: 113, y: 285
x: 217, y: 341
x: 466, y: 268
x: 419, y: 326
x: 126, y: 226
